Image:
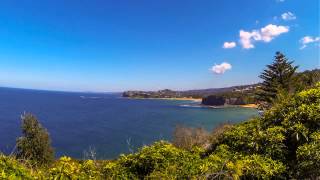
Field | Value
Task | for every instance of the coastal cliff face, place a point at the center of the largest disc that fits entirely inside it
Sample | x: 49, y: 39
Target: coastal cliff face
x: 215, y: 100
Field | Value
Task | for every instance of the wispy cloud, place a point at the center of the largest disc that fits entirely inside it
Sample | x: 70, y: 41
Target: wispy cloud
x: 221, y: 68
x: 265, y: 34
x: 287, y: 16
x: 308, y: 40
x: 228, y: 45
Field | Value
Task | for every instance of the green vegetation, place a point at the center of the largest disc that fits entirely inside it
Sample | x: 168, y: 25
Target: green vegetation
x: 35, y: 144
x: 277, y: 77
x: 305, y: 79
x: 231, y: 98
x: 10, y: 168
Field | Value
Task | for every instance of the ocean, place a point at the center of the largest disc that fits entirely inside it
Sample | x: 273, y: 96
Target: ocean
x: 104, y: 123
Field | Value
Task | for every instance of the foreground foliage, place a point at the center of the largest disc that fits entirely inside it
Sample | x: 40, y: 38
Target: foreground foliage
x: 284, y: 143
x: 161, y: 160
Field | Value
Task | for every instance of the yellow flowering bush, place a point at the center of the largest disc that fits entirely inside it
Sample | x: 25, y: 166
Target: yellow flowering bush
x: 10, y: 168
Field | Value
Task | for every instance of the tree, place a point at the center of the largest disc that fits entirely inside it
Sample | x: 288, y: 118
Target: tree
x: 306, y: 79
x: 277, y: 77
x: 35, y: 144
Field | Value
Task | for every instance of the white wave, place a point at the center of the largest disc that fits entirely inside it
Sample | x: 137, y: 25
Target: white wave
x: 91, y: 97
x: 191, y: 105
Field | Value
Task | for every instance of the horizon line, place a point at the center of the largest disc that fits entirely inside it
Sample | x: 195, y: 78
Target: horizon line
x: 79, y: 91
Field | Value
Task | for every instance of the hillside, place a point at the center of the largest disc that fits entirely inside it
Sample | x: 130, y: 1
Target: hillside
x: 197, y: 93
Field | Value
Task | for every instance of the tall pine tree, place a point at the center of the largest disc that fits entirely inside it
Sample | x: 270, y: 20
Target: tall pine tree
x: 276, y: 78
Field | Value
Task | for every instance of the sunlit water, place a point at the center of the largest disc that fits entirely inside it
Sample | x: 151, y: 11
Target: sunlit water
x: 106, y: 123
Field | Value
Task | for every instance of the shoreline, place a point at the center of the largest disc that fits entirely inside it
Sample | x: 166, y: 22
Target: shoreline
x: 173, y: 99
x: 254, y: 106
x: 199, y: 100
x: 249, y: 106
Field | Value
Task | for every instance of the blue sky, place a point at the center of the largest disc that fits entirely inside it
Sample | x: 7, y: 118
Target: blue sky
x: 103, y: 45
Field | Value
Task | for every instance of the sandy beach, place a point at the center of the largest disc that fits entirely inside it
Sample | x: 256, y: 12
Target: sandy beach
x: 249, y: 105
x: 183, y: 99
x: 175, y: 99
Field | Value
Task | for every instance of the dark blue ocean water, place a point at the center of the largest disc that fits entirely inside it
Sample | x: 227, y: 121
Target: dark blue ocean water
x: 106, y: 123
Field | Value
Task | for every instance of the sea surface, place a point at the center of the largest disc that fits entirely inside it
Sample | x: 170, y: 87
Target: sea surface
x: 104, y: 123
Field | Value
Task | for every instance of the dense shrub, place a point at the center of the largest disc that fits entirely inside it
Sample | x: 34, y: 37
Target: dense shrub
x: 286, y: 133
x: 308, y: 157
x: 188, y: 137
x: 161, y: 157
x: 35, y: 143
x: 67, y: 168
x: 161, y: 160
x: 10, y: 168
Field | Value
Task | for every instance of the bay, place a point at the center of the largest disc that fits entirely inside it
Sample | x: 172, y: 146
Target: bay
x: 104, y: 122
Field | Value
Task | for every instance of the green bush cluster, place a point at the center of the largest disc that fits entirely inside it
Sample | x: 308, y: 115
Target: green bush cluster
x: 10, y: 168
x: 288, y: 133
x: 161, y: 160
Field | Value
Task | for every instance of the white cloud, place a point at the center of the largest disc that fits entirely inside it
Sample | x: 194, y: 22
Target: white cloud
x: 307, y: 40
x: 246, y: 38
x: 228, y: 45
x: 271, y: 31
x: 265, y: 34
x: 221, y: 68
x: 280, y: 0
x: 288, y: 16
